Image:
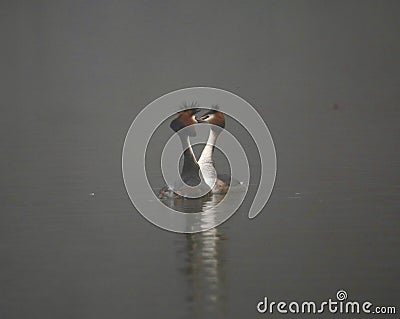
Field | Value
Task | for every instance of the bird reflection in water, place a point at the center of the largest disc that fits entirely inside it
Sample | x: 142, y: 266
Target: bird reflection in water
x: 202, y: 257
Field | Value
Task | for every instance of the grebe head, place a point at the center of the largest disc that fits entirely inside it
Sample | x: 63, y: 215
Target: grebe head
x: 214, y: 117
x: 184, y: 119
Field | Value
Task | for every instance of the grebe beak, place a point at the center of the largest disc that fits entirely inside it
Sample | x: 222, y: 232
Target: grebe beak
x: 202, y: 119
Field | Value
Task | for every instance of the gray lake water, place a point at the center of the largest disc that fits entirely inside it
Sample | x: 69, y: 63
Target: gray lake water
x: 324, y: 79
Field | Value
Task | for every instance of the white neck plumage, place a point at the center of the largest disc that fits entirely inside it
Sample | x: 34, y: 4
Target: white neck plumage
x: 207, y: 154
x: 206, y: 161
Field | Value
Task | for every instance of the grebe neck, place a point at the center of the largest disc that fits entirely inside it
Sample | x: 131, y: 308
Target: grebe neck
x: 189, y: 160
x: 208, y: 151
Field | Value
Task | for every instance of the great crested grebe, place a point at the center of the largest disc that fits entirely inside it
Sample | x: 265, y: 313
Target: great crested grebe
x: 191, y: 169
x: 219, y: 183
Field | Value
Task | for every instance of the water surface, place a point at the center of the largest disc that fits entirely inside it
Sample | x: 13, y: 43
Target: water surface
x: 323, y: 76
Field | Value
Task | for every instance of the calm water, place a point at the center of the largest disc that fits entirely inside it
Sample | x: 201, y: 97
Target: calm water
x: 326, y: 81
x: 331, y: 223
